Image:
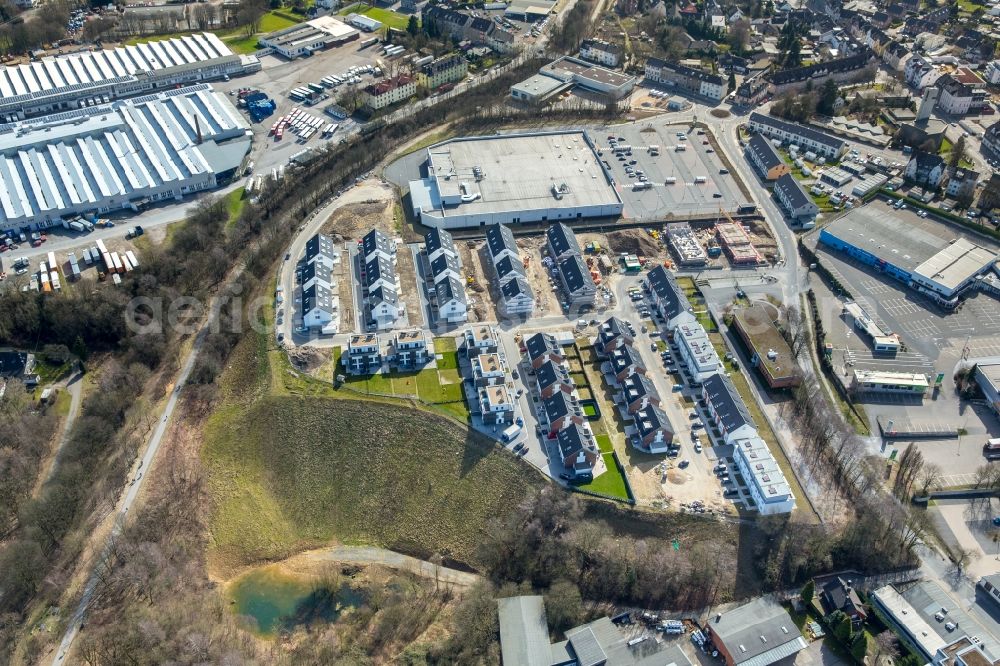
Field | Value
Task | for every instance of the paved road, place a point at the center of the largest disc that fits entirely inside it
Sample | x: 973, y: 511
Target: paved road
x: 393, y: 560
x: 133, y: 489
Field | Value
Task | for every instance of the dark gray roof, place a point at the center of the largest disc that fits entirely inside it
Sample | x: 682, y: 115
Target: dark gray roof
x: 639, y: 386
x: 559, y: 405
x: 550, y: 373
x: 507, y: 267
x: 611, y: 329
x: 499, y: 238
x: 897, y: 49
x: 756, y: 629
x: 319, y: 245
x: 573, y: 439
x: 662, y: 283
x: 516, y: 287
x: 651, y: 418
x: 437, y: 239
x: 764, y: 152
x: 317, y: 269
x: 443, y: 263
x: 379, y: 268
x: 12, y: 363
x: 601, y: 45
x: 927, y: 161
x: 442, y: 64
x: 691, y: 72
x: 562, y: 239
x: 791, y: 189
x: 381, y: 295
x: 727, y: 403
x: 540, y: 344
x: 376, y: 240
x: 838, y: 66
x: 317, y: 296
x: 624, y: 358
x: 576, y: 275
x: 450, y: 289
x: 798, y: 130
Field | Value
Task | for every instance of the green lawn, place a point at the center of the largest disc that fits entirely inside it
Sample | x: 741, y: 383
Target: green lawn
x: 236, y: 38
x: 388, y: 18
x: 604, y: 443
x: 448, y: 360
x: 611, y: 482
x: 445, y: 344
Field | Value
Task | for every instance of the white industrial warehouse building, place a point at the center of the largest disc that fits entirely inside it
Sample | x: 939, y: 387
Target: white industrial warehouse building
x: 86, y: 78
x: 119, y: 155
x: 514, y: 178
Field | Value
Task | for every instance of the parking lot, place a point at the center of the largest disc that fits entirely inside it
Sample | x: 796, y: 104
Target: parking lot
x: 934, y: 341
x: 683, y: 182
x: 278, y: 77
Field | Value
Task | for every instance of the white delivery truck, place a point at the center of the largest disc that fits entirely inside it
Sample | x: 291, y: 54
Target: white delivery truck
x: 510, y: 434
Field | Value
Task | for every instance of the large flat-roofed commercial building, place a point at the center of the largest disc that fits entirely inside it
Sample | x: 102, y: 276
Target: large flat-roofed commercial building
x: 757, y: 634
x: 119, y: 155
x: 988, y: 378
x: 86, y: 78
x: 590, y: 76
x: 315, y: 35
x: 567, y: 72
x: 921, y: 253
x: 913, y: 613
x: 508, y: 179
x: 770, y: 354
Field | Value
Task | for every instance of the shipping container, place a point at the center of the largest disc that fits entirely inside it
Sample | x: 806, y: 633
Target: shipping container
x: 131, y: 257
x: 101, y: 246
x: 86, y: 256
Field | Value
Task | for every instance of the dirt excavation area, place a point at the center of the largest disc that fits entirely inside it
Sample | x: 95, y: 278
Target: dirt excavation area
x: 477, y: 285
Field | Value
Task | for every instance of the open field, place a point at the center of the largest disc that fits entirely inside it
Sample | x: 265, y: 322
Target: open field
x: 291, y: 466
x: 236, y: 38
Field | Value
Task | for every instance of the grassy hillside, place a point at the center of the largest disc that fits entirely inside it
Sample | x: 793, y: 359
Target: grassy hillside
x: 290, y: 470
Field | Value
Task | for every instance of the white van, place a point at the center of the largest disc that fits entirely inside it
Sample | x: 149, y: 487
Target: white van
x: 698, y: 180
x: 510, y: 434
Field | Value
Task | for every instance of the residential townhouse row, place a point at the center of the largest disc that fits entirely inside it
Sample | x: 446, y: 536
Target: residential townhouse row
x: 444, y: 270
x: 564, y: 417
x: 381, y: 288
x: 728, y: 413
x: 514, y: 296
x: 579, y: 288
x: 408, y: 350
x: 637, y: 399
x: 320, y: 302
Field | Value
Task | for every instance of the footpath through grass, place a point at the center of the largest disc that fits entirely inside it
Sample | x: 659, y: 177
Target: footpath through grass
x: 294, y: 464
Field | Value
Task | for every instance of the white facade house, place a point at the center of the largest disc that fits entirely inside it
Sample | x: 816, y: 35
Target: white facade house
x: 768, y: 486
x: 725, y: 406
x: 600, y: 51
x: 696, y: 352
x: 804, y: 137
x: 992, y: 73
x: 680, y: 78
x: 956, y: 97
x: 387, y: 92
